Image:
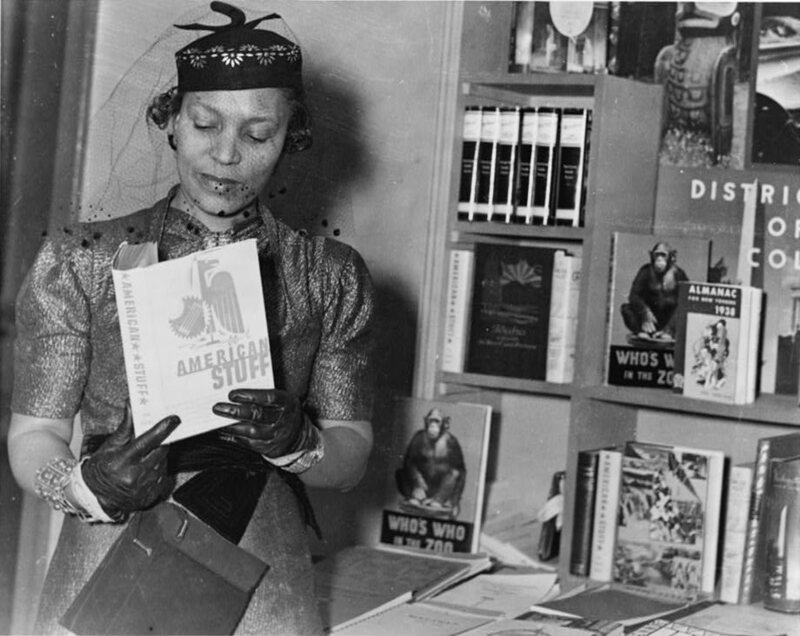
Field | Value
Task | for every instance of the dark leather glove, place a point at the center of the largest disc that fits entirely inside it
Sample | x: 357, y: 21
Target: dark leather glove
x: 128, y: 474
x: 271, y: 421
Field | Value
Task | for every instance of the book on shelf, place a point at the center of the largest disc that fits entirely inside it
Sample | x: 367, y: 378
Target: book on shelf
x: 782, y: 536
x: 504, y: 188
x: 509, y: 320
x: 544, y: 166
x: 716, y: 347
x: 643, y: 297
x: 521, y: 41
x: 604, y: 522
x: 571, y: 168
x: 436, y: 467
x: 360, y: 581
x: 583, y: 515
x: 549, y: 45
x: 468, y: 176
x: 192, y: 329
x: 459, y: 290
x: 737, y: 505
x: 549, y: 543
x: 669, y: 519
x: 487, y: 162
x: 563, y: 321
x: 768, y: 449
x: 525, y: 167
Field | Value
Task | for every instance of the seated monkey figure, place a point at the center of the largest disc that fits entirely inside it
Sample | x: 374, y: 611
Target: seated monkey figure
x: 432, y: 476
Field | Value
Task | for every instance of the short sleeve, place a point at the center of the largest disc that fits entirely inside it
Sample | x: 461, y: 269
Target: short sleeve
x: 342, y: 379
x: 52, y: 348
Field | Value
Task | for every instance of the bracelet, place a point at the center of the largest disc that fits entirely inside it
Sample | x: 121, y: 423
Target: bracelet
x: 52, y: 479
x: 301, y: 461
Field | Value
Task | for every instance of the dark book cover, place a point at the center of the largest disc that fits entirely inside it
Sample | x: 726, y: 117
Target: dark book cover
x: 768, y: 449
x: 585, y: 488
x: 550, y: 534
x: 544, y: 164
x: 782, y: 536
x: 645, y: 272
x: 511, y: 311
x: 470, y: 136
x: 523, y: 212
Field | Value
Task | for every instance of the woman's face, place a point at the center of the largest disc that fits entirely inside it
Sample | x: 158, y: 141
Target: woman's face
x: 227, y: 146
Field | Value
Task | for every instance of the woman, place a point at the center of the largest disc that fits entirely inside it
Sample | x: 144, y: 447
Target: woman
x: 236, y: 109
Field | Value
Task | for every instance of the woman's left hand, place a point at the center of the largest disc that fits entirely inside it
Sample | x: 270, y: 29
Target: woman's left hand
x: 270, y: 421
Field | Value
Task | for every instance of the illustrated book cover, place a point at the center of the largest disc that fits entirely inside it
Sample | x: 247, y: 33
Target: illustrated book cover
x: 436, y: 471
x: 669, y: 519
x: 750, y: 218
x: 510, y: 313
x: 193, y: 328
x: 645, y: 272
x: 716, y: 352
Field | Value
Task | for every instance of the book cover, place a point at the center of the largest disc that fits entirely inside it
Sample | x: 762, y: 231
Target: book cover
x: 569, y: 192
x: 749, y: 216
x: 583, y: 516
x: 510, y: 315
x: 714, y: 339
x: 645, y: 272
x: 504, y: 189
x: 544, y: 164
x: 737, y: 504
x: 487, y: 162
x: 468, y: 184
x: 563, y: 321
x: 549, y: 45
x: 587, y: 46
x: 359, y: 581
x: 782, y: 536
x: 668, y: 527
x: 606, y: 504
x: 768, y: 448
x: 776, y: 106
x: 193, y: 328
x: 525, y: 168
x: 437, y: 471
x: 459, y: 289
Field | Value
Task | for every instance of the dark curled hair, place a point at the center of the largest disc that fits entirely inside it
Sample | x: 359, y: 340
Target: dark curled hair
x: 298, y: 136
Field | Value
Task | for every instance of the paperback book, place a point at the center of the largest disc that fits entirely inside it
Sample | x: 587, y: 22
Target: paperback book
x: 192, y: 329
x: 563, y: 321
x: 716, y: 354
x: 510, y: 315
x: 737, y: 506
x: 459, y: 291
x: 437, y: 470
x: 645, y: 272
x: 669, y: 519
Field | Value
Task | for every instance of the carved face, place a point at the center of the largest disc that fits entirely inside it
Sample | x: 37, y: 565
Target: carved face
x: 228, y: 144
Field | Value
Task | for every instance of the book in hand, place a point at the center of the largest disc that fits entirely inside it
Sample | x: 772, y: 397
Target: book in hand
x: 768, y: 449
x: 436, y: 471
x: 509, y: 322
x: 360, y: 581
x: 193, y: 328
x: 643, y: 298
x: 716, y: 351
x: 669, y: 519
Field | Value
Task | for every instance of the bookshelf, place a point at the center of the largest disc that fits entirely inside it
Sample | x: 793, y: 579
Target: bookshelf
x: 622, y: 183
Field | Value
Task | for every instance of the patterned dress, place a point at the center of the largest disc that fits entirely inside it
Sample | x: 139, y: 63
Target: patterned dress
x: 68, y: 359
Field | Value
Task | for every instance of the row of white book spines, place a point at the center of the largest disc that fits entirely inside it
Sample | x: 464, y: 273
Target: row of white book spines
x: 524, y: 165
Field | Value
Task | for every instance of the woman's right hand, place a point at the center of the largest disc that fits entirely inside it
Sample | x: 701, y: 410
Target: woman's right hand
x: 128, y: 474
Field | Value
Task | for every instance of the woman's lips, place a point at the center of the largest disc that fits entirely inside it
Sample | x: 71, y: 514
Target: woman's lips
x: 218, y: 185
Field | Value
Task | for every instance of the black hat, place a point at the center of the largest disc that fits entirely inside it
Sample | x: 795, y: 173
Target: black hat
x: 238, y: 56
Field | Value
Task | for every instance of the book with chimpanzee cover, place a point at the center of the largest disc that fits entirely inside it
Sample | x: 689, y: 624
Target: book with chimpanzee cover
x: 640, y: 345
x: 435, y: 475
x: 509, y: 322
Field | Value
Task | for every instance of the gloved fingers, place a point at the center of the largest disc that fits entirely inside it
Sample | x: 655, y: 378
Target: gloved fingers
x: 150, y: 440
x: 250, y: 412
x: 124, y: 432
x: 261, y: 396
x: 261, y: 432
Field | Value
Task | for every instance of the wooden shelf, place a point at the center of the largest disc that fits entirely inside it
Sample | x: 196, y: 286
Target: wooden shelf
x: 514, y: 385
x: 473, y: 231
x: 767, y: 409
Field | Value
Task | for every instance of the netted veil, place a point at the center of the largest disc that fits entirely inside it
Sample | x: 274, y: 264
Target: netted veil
x: 128, y: 164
